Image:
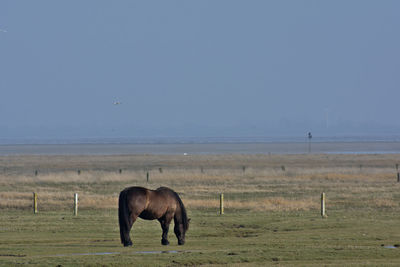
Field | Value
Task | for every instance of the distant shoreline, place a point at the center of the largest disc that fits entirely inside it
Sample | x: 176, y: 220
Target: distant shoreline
x: 200, y: 140
x: 343, y: 147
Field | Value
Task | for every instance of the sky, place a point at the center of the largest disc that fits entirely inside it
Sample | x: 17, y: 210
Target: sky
x: 198, y: 68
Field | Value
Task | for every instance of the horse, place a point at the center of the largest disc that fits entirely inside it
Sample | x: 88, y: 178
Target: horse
x: 162, y: 204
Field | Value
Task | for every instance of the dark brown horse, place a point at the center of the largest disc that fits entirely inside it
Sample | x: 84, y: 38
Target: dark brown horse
x: 162, y: 204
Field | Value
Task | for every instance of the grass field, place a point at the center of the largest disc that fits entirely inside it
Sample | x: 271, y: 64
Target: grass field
x: 272, y: 210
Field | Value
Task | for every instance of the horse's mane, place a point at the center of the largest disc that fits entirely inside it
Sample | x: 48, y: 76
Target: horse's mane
x: 185, y: 220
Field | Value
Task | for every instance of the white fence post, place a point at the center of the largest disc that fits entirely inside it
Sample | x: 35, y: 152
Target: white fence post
x: 323, y: 213
x: 35, y: 210
x: 221, y: 204
x: 76, y: 204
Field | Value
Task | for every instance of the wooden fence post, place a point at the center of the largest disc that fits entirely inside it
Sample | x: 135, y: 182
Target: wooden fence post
x: 221, y: 204
x: 323, y: 213
x: 35, y: 210
x: 76, y: 204
x: 147, y: 176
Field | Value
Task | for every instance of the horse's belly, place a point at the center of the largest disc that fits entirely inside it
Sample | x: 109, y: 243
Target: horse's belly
x: 148, y: 215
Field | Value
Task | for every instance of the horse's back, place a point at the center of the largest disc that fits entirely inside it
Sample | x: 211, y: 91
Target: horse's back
x: 168, y: 195
x: 164, y: 190
x: 135, y: 191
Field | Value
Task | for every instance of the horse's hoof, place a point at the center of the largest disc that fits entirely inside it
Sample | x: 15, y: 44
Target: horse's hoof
x: 181, y: 242
x: 164, y: 242
x: 128, y: 244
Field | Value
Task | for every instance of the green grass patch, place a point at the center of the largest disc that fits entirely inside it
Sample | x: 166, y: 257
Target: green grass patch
x: 254, y: 238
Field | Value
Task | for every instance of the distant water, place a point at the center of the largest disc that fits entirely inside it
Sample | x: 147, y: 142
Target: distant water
x: 201, y: 140
x: 221, y: 145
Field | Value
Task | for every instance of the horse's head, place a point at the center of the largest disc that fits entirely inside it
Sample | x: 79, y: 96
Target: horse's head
x: 180, y: 231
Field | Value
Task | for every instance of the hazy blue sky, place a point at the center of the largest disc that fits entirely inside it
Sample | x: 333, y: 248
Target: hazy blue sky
x: 198, y: 68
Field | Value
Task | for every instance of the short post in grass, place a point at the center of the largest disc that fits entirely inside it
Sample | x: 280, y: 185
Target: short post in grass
x: 398, y: 174
x: 147, y: 176
x: 76, y: 204
x: 35, y: 210
x: 323, y: 212
x: 221, y: 204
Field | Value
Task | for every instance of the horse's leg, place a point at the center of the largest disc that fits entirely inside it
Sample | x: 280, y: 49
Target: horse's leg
x: 165, y: 222
x: 128, y: 241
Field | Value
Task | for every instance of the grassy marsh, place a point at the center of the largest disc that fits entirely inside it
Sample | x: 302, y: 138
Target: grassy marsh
x: 271, y: 209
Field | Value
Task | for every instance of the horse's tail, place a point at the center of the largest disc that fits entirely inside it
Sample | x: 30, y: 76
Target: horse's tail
x: 123, y: 215
x: 185, y: 220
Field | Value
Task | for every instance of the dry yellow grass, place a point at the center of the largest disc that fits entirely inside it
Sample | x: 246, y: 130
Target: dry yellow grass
x: 254, y: 182
x: 261, y: 204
